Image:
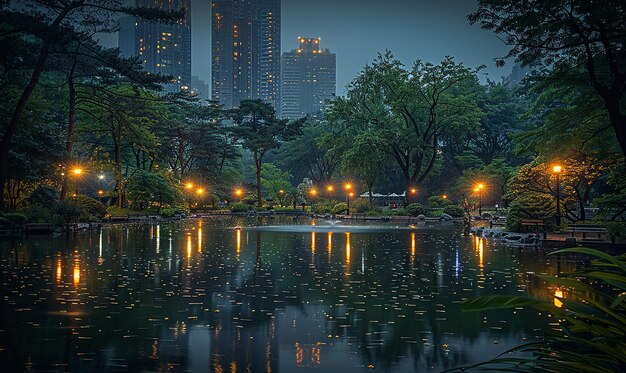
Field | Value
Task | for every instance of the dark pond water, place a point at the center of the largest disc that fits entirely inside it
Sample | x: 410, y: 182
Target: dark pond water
x: 201, y: 296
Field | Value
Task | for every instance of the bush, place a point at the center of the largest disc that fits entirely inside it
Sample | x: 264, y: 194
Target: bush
x: 531, y: 206
x: 340, y: 208
x: 617, y: 229
x: 415, y: 209
x: 455, y: 211
x: 360, y: 205
x: 374, y: 212
x: 168, y: 212
x: 42, y: 214
x: 438, y: 201
x: 69, y: 211
x: 399, y: 212
x: 91, y: 208
x: 434, y: 213
x: 44, y: 195
x: 14, y: 219
x: 240, y: 207
x: 285, y: 209
x: 116, y: 211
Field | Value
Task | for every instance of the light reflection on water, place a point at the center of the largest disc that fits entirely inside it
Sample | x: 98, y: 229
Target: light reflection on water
x: 278, y: 301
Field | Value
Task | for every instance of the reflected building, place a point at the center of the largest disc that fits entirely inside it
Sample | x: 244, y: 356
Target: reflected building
x: 245, y: 36
x: 160, y: 47
x: 309, y: 79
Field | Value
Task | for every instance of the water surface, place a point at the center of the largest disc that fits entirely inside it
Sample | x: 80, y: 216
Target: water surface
x: 202, y: 296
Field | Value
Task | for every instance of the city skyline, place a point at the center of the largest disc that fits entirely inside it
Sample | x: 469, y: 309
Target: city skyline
x: 442, y: 29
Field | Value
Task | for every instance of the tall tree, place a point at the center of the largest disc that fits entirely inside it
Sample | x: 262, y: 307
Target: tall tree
x: 571, y: 35
x: 55, y: 26
x: 259, y: 131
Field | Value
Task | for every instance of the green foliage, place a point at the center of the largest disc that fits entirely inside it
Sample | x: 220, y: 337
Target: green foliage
x: 340, y: 208
x: 592, y: 318
x: 168, y: 212
x: 455, y: 211
x: 276, y: 183
x: 44, y: 195
x: 147, y: 188
x: 415, y: 209
x: 116, y: 211
x: 91, y: 208
x: 438, y: 201
x: 12, y: 219
x: 531, y: 206
x: 69, y: 211
x: 617, y: 229
x: 239, y: 207
x: 433, y: 213
x: 286, y: 209
x: 359, y: 205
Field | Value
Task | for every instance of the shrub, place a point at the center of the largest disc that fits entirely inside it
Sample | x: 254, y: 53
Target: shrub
x: 455, y: 211
x: 617, y: 229
x: 69, y: 211
x: 240, y: 207
x: 44, y: 195
x: 434, y: 213
x: 322, y: 208
x: 438, y: 201
x: 92, y: 209
x: 285, y: 209
x: 340, y: 208
x: 415, y: 209
x: 42, y: 214
x: 116, y: 211
x: 531, y: 206
x: 374, y: 212
x: 360, y: 205
x: 168, y: 212
x: 15, y: 219
x: 399, y: 212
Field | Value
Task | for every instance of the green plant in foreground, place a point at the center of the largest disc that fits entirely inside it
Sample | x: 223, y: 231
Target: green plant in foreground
x: 592, y: 317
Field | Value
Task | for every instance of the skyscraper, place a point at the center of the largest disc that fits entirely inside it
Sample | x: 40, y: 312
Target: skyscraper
x: 309, y: 79
x: 162, y: 48
x: 246, y: 51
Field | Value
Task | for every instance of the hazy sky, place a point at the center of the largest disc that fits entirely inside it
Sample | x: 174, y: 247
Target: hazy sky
x: 357, y: 30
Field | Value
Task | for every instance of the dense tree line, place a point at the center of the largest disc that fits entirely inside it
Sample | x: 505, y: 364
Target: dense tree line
x: 430, y: 129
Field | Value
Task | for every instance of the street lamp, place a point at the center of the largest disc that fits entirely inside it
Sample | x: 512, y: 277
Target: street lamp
x: 479, y: 189
x: 413, y: 194
x: 239, y: 193
x: 557, y: 169
x: 77, y: 171
x: 281, y: 197
x: 330, y: 189
x: 348, y: 187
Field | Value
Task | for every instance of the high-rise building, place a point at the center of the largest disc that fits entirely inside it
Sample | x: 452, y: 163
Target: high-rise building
x: 309, y: 79
x: 246, y: 51
x: 201, y: 89
x: 161, y: 47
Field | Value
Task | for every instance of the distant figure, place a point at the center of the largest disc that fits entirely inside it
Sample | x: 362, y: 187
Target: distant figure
x: 466, y: 225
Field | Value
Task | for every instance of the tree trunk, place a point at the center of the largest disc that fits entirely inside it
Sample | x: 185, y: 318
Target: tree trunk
x: 259, y: 165
x: 5, y: 144
x: 117, y: 138
x: 70, y: 133
x: 618, y: 121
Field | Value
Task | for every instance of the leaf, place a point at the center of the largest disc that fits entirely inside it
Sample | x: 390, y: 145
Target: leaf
x: 593, y: 252
x: 499, y: 302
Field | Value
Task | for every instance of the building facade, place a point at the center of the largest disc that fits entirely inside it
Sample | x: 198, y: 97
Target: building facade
x: 161, y: 48
x: 309, y: 79
x: 245, y: 38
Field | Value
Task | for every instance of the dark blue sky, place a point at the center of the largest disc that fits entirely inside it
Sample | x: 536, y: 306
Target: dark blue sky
x: 357, y: 30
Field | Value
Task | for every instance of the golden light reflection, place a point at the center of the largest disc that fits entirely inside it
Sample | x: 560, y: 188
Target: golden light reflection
x: 76, y: 272
x: 158, y: 238
x: 199, y: 237
x: 558, y: 293
x: 313, y: 242
x: 330, y: 243
x: 308, y: 356
x: 480, y: 252
x: 348, y: 248
x: 238, y: 242
x: 59, y: 270
x: 189, y: 246
x: 412, y: 243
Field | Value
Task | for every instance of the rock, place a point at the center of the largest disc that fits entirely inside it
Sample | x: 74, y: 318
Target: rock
x: 421, y: 217
x: 445, y: 217
x: 570, y: 239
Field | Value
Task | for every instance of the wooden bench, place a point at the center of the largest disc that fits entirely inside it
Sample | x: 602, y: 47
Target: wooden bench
x: 535, y: 223
x: 587, y: 228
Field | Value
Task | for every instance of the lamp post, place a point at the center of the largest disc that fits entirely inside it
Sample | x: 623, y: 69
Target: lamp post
x: 77, y: 172
x: 281, y: 197
x: 479, y: 189
x: 189, y: 187
x: 199, y: 193
x: 348, y: 187
x: 557, y: 169
x: 239, y: 193
x: 413, y: 194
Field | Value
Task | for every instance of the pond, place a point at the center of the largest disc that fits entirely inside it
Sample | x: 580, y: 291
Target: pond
x: 238, y: 295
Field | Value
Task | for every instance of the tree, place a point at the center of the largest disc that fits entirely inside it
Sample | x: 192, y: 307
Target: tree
x: 144, y: 188
x: 55, y: 26
x: 577, y: 35
x: 259, y: 131
x: 363, y: 159
x: 581, y: 172
x: 408, y: 109
x: 276, y: 182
